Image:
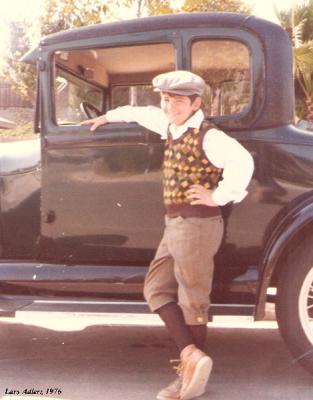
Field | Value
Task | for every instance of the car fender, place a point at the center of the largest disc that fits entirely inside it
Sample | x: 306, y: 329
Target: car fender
x: 20, y: 156
x: 289, y: 227
x: 20, y: 184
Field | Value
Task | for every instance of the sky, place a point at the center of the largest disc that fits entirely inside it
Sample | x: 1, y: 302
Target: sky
x: 29, y: 10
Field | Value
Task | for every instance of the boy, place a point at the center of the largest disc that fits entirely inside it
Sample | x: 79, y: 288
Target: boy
x: 203, y: 169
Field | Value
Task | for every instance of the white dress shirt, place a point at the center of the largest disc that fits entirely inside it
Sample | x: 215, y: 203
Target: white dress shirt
x: 222, y: 150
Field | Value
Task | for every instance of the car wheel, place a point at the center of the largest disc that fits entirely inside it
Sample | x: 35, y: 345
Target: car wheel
x: 294, y: 305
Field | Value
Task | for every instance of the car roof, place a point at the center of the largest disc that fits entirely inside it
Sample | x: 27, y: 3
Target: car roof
x: 158, y: 23
x: 170, y: 21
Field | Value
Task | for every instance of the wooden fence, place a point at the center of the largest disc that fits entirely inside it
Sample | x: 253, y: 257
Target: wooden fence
x: 9, y: 98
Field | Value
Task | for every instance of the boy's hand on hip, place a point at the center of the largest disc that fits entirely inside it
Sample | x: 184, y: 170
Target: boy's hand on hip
x: 95, y: 122
x: 197, y: 194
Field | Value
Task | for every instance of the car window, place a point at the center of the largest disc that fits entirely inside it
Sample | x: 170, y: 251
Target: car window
x: 225, y: 67
x: 139, y: 95
x: 70, y: 94
x: 115, y: 76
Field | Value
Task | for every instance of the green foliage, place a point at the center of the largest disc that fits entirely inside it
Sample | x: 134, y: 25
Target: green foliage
x: 216, y: 6
x: 303, y: 13
x: 159, y: 7
x: 303, y: 61
x: 59, y: 15
x: 298, y: 22
x: 141, y: 7
x: 20, y: 132
x: 301, y: 108
x: 66, y: 14
x: 20, y: 75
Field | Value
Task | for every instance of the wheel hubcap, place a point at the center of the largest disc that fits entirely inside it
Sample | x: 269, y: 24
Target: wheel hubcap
x: 306, y: 306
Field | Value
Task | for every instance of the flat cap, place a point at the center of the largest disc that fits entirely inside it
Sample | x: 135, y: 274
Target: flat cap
x: 183, y: 83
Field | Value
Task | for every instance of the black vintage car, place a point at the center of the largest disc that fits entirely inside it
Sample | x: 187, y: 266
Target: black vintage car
x: 82, y: 213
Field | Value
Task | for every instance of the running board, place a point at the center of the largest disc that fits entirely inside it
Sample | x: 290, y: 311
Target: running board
x: 8, y: 307
x: 10, y: 304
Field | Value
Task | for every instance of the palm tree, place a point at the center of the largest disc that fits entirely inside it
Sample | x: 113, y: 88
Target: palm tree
x: 295, y: 21
x: 303, y: 70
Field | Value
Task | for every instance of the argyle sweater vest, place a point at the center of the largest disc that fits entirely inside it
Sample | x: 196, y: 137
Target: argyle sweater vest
x: 186, y: 164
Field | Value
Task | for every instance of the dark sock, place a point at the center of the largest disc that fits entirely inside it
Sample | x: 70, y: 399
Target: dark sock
x: 198, y: 333
x: 172, y: 316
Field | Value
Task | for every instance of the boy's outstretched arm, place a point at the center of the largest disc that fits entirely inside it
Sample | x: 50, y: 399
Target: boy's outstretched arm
x: 150, y: 117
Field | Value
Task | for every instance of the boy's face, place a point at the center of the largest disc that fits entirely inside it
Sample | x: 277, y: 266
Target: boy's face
x: 179, y: 108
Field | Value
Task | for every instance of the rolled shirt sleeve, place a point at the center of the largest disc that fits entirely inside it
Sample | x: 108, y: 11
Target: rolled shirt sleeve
x: 237, y: 163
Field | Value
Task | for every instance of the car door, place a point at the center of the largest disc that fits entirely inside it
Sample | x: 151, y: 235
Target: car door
x: 101, y: 198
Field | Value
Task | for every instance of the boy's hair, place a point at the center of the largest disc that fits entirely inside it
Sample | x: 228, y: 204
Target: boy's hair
x: 192, y: 97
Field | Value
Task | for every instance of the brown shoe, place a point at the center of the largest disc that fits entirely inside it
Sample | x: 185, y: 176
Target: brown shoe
x: 195, y: 369
x: 172, y: 391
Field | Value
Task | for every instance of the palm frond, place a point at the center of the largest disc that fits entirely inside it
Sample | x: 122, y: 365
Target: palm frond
x: 303, y: 67
x: 297, y: 33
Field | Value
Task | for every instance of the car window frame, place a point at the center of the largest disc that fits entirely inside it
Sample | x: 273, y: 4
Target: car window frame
x: 257, y: 72
x: 154, y: 37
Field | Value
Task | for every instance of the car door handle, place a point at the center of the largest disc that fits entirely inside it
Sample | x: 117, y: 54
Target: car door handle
x: 49, y: 217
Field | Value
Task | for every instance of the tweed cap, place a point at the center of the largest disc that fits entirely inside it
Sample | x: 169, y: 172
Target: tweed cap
x: 183, y: 83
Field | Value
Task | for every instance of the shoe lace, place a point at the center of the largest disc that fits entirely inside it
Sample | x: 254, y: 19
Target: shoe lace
x: 178, y: 368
